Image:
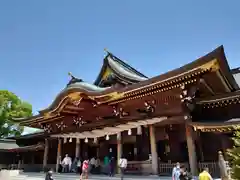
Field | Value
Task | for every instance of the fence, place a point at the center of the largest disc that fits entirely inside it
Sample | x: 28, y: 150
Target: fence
x: 166, y: 168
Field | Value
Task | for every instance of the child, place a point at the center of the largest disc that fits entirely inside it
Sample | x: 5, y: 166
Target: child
x: 85, y: 166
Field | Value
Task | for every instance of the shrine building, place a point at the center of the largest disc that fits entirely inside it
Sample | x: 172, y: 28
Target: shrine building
x: 186, y: 115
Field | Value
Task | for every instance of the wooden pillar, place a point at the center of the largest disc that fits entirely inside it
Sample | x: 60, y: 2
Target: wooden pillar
x: 33, y: 158
x: 119, y: 149
x: 153, y: 150
x: 59, y: 152
x: 191, y: 150
x: 45, y: 156
x: 77, y: 152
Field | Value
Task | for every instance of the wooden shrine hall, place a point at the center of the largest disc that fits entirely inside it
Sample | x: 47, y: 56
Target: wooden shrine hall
x: 186, y: 115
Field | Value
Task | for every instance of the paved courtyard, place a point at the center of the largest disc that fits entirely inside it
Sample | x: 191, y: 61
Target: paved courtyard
x: 40, y: 176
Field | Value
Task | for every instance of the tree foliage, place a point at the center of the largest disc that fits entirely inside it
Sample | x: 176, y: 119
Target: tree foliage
x: 11, y: 107
x: 234, y: 154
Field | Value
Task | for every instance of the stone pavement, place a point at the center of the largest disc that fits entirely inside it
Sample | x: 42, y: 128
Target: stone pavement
x: 41, y: 176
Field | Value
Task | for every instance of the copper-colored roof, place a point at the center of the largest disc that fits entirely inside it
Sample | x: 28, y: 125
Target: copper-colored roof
x: 118, y: 68
x: 81, y: 90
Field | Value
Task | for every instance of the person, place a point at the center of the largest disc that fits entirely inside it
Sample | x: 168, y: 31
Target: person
x: 111, y: 168
x: 49, y: 175
x: 184, y: 175
x: 204, y: 175
x: 106, y: 165
x: 92, y: 165
x: 74, y: 165
x: 66, y: 164
x: 85, y: 167
x: 79, y: 164
x: 122, y: 165
x: 98, y: 168
x: 176, y: 172
x: 60, y: 167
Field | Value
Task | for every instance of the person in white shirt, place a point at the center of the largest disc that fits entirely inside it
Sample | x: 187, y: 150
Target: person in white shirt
x: 122, y: 165
x: 66, y: 163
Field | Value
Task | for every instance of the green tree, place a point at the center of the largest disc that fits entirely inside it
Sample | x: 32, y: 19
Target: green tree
x: 11, y: 106
x: 234, y: 154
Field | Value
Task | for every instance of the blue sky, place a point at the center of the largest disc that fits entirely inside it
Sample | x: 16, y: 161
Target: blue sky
x: 41, y: 41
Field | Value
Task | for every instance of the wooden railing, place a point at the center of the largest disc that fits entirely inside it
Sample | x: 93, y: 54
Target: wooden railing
x: 166, y: 168
x: 212, y: 166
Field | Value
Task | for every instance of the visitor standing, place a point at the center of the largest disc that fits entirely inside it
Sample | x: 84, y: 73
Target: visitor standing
x: 92, y: 165
x: 85, y: 169
x: 74, y: 165
x: 122, y: 165
x: 98, y: 167
x: 66, y: 164
x: 204, y: 175
x: 176, y: 172
x: 106, y: 165
x: 111, y: 165
x: 79, y: 164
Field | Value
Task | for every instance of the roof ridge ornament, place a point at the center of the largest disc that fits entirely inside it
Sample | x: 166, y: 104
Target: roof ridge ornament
x: 73, y: 79
x: 71, y: 75
x: 106, y: 50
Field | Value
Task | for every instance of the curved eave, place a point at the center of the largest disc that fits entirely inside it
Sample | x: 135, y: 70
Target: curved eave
x: 219, y: 98
x: 102, y: 71
x: 227, y: 123
x: 218, y: 54
x: 21, y: 120
x: 129, y: 67
x: 120, y: 69
x: 28, y: 148
x: 235, y: 70
x: 125, y: 71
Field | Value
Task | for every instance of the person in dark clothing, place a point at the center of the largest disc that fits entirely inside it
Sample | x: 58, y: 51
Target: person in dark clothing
x: 49, y: 175
x: 111, y: 167
x: 184, y: 175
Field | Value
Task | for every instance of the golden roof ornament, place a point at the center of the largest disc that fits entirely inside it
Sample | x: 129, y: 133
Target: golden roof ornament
x: 70, y: 74
x: 106, y: 50
x: 73, y: 79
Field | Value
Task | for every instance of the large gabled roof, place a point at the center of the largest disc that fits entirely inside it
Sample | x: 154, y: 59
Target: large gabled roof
x: 211, y: 65
x: 113, y: 66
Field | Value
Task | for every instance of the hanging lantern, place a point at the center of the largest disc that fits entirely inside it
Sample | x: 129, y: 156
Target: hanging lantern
x: 86, y: 140
x: 129, y: 132
x: 64, y: 140
x: 107, y: 137
x: 77, y: 140
x: 70, y: 140
x: 139, y: 130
